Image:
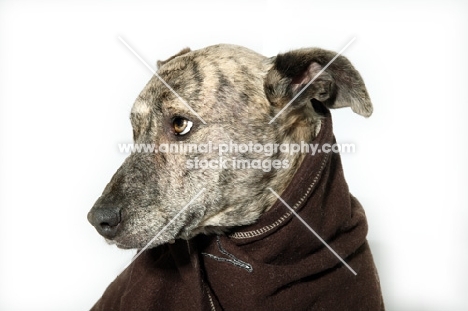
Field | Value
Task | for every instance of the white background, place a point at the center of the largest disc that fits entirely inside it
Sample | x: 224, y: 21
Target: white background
x: 67, y: 85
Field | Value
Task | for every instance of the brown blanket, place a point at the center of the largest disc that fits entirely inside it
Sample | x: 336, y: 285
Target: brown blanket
x: 274, y: 264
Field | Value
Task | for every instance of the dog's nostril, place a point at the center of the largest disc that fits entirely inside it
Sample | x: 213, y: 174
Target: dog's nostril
x: 113, y: 221
x: 106, y: 220
x: 105, y: 224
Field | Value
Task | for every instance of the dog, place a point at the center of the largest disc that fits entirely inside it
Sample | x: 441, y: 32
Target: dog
x: 204, y: 209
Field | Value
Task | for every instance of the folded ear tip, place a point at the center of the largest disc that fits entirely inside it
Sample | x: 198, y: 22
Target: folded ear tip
x: 367, y: 114
x: 363, y: 108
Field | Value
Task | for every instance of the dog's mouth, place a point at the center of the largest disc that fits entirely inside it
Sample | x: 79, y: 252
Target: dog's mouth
x: 138, y: 241
x: 132, y: 231
x: 126, y: 244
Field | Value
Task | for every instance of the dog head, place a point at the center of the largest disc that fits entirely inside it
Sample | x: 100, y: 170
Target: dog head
x: 208, y: 99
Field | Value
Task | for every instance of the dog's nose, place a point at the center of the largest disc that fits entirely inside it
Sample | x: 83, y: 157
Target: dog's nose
x: 106, y: 220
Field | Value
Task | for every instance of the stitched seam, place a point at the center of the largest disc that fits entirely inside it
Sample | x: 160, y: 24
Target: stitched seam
x: 254, y: 233
x: 234, y: 260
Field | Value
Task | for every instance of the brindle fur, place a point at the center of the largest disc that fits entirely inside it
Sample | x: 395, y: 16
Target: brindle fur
x: 237, y: 92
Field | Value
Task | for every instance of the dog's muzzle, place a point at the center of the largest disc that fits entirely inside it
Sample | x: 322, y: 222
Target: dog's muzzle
x: 106, y: 220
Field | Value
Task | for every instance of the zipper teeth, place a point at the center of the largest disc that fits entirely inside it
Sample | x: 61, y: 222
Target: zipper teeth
x: 211, y: 302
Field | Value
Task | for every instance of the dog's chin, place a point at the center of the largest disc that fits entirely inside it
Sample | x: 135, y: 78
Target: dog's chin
x: 126, y: 240
x: 135, y: 243
x: 145, y: 242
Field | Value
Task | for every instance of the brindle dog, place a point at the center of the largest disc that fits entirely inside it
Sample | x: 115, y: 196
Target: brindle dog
x: 231, y: 94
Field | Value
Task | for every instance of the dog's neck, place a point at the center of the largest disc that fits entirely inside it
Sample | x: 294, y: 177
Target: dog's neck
x: 300, y: 127
x: 296, y: 128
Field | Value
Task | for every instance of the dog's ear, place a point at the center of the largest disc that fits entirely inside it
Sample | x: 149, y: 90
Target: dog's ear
x: 339, y: 85
x: 159, y: 63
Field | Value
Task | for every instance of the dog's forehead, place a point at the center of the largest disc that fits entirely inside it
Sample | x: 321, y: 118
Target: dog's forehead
x: 221, y: 53
x: 194, y: 74
x: 224, y: 55
x: 189, y: 68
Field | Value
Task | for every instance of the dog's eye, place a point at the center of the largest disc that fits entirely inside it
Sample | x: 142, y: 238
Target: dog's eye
x: 181, y: 125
